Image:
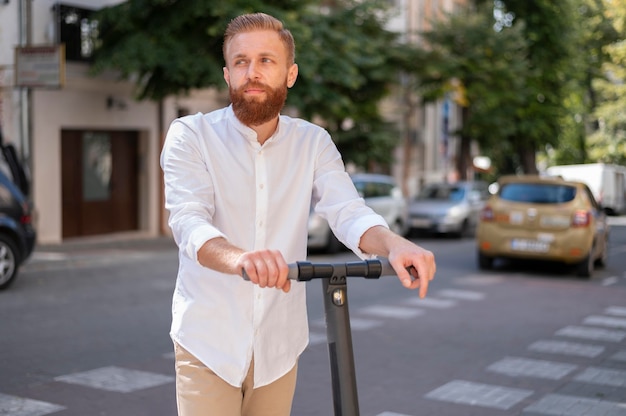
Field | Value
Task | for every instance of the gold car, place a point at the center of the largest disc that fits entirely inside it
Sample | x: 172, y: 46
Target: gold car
x: 543, y: 218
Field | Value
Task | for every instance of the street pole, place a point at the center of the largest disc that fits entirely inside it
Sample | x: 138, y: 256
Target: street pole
x: 25, y: 39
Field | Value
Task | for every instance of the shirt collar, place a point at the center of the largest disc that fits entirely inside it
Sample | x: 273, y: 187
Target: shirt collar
x: 248, y: 132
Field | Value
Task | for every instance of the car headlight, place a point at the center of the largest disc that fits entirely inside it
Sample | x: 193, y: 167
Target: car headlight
x: 455, y: 212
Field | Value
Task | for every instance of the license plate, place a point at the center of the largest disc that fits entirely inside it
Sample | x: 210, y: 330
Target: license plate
x: 421, y: 222
x: 534, y: 246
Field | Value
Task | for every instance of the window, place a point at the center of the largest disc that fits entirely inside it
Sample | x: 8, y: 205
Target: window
x: 537, y: 193
x: 77, y: 30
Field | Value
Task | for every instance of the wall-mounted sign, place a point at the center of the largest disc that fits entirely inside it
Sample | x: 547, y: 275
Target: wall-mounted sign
x: 40, y: 66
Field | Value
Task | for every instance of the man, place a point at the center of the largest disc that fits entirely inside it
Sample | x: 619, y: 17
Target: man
x: 239, y: 182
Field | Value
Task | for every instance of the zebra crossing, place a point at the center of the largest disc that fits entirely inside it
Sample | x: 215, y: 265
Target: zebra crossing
x: 570, y: 341
x: 597, y: 335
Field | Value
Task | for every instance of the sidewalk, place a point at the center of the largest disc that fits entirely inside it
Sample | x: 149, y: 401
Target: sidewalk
x: 104, y: 248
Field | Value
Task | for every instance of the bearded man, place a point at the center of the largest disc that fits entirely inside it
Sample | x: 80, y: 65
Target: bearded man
x: 239, y: 183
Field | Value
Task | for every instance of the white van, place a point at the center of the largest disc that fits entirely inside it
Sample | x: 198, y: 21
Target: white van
x: 607, y: 182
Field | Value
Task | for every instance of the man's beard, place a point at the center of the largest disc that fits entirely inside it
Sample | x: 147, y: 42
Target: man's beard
x: 253, y: 111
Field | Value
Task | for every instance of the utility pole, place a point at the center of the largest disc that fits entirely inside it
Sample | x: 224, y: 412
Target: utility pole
x: 25, y: 39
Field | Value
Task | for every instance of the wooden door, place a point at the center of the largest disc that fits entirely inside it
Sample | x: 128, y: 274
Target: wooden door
x: 99, y: 182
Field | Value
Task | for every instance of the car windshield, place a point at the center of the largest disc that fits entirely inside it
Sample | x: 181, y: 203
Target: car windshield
x: 537, y: 193
x: 443, y: 193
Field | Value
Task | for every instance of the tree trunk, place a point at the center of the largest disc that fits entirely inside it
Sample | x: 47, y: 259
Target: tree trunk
x: 463, y: 163
x: 463, y: 157
x: 528, y: 159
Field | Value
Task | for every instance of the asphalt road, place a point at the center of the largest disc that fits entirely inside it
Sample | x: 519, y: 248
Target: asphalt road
x: 83, y: 331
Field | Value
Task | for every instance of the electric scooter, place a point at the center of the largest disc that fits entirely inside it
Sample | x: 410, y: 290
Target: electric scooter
x: 339, y: 335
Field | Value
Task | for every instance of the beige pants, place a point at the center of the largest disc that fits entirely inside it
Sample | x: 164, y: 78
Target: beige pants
x: 200, y: 392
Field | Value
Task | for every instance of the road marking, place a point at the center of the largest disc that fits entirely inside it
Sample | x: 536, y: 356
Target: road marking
x: 317, y: 338
x: 615, y: 310
x: 517, y: 366
x: 595, y: 334
x: 391, y: 414
x: 478, y: 394
x: 567, y: 348
x: 561, y: 405
x: 478, y: 280
x: 620, y: 356
x: 609, y: 281
x: 606, y: 321
x: 359, y: 324
x: 431, y: 302
x: 19, y: 406
x: 461, y: 294
x: 391, y: 311
x: 604, y: 376
x: 116, y: 379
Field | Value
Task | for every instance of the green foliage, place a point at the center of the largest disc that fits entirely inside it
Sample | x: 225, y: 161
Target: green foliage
x: 171, y: 46
x: 607, y: 143
x: 345, y: 59
x: 482, y: 69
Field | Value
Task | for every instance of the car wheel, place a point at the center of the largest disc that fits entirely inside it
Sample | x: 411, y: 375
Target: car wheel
x: 464, y: 231
x: 9, y: 260
x: 397, y: 228
x: 334, y: 245
x: 485, y: 262
x: 585, y: 267
x: 604, y: 255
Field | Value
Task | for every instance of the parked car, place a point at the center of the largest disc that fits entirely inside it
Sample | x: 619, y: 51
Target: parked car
x: 17, y: 234
x: 381, y: 193
x: 543, y: 218
x: 448, y: 208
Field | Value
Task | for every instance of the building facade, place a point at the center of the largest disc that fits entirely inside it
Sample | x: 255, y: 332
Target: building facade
x: 92, y: 150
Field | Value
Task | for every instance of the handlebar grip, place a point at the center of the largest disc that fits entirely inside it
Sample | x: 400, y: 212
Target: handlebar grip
x: 292, y: 274
x: 387, y: 270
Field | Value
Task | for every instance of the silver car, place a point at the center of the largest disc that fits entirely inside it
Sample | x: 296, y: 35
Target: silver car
x: 448, y: 208
x: 381, y: 193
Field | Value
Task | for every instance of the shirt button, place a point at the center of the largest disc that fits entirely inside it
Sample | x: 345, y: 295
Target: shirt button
x: 261, y: 186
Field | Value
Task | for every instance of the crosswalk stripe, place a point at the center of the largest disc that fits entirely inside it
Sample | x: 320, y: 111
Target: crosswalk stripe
x: 316, y: 338
x: 478, y: 394
x: 518, y: 366
x: 391, y: 311
x: 609, y: 321
x: 620, y: 356
x: 596, y: 334
x: 615, y: 310
x: 116, y: 379
x: 461, y: 294
x: 429, y: 302
x: 561, y: 405
x: 604, y: 376
x: 567, y: 348
x: 478, y: 280
x: 19, y: 406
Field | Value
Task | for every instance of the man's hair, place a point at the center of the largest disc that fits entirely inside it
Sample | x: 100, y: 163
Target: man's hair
x: 260, y: 21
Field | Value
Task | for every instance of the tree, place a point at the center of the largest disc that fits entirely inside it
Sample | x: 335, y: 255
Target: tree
x: 173, y: 46
x: 485, y: 71
x: 608, y: 142
x: 596, y: 31
x: 550, y: 28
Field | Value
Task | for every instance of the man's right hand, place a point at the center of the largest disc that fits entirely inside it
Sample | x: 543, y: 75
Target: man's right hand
x: 266, y: 268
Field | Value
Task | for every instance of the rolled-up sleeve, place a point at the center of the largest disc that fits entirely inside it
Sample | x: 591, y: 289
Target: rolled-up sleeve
x: 189, y: 191
x: 336, y: 199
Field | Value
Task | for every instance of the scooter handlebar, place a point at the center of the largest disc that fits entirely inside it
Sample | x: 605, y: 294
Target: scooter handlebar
x: 305, y: 271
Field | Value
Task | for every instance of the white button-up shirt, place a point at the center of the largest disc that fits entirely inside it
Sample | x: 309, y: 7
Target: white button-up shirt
x: 220, y: 181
